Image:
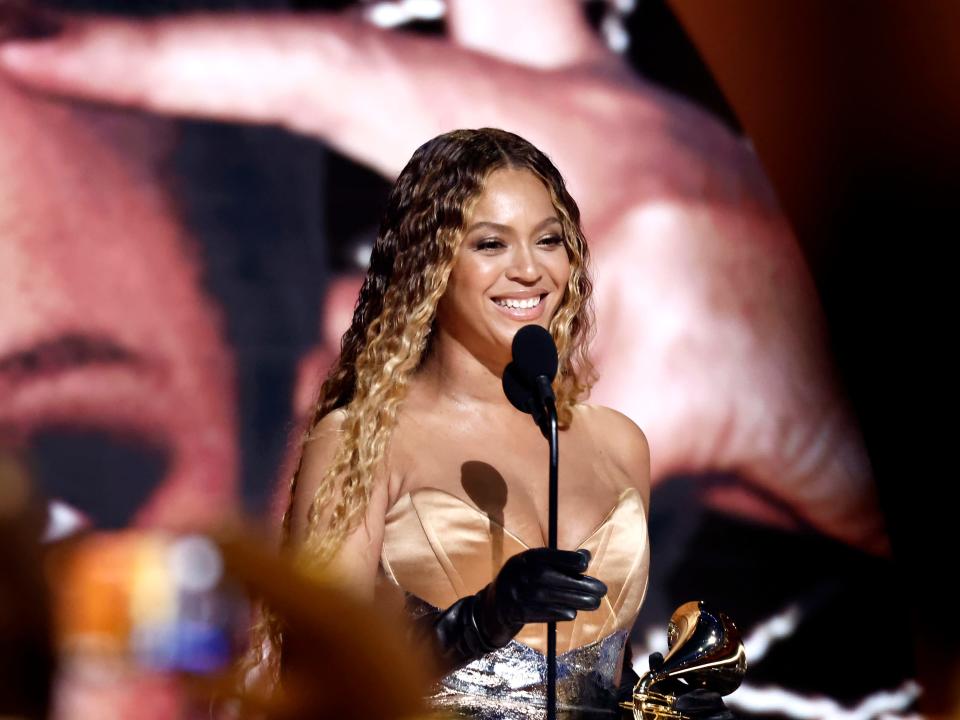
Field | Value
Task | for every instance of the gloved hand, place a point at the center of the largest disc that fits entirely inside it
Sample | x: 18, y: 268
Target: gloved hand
x: 537, y: 585
x: 698, y: 704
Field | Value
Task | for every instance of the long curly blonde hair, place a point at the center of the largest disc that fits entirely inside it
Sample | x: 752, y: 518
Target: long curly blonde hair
x: 392, y: 325
x: 389, y: 336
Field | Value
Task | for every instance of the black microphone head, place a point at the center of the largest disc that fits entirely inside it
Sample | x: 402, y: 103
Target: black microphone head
x: 534, y: 353
x: 521, y: 395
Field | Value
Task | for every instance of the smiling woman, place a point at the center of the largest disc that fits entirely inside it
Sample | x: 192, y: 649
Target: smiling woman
x: 417, y: 476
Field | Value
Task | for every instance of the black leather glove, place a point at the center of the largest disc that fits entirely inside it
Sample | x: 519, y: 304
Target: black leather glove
x: 698, y: 704
x: 537, y: 585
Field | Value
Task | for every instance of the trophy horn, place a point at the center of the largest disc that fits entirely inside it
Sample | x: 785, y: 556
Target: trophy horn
x: 706, y: 651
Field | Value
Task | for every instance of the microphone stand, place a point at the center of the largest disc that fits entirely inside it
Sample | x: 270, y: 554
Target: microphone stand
x: 548, y: 426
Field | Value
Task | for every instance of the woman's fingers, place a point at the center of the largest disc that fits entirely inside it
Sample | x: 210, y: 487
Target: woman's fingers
x: 536, y: 612
x: 372, y: 94
x: 536, y: 33
x: 251, y: 68
x: 544, y: 606
x: 565, y: 560
x: 375, y: 95
x: 554, y: 577
x: 566, y: 599
x: 553, y: 581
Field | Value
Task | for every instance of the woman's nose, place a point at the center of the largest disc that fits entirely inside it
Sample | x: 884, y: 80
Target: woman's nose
x: 524, y: 266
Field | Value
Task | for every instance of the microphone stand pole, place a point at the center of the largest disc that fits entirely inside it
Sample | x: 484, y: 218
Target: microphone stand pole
x: 553, y: 439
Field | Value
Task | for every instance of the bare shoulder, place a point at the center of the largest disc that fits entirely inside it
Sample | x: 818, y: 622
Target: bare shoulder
x: 320, y: 446
x: 615, y: 430
x: 621, y: 438
x: 329, y: 425
x: 355, y: 562
x: 318, y: 455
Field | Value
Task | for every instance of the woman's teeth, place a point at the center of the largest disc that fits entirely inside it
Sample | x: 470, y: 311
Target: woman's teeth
x: 520, y: 304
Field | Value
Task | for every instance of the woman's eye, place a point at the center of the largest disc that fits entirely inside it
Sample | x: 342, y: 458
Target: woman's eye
x: 489, y: 244
x: 552, y: 240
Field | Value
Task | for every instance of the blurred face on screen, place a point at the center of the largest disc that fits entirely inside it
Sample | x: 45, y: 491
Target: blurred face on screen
x: 113, y: 373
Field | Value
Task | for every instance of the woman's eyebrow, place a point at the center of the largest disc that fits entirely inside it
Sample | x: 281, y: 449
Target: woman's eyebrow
x: 63, y: 353
x: 487, y: 225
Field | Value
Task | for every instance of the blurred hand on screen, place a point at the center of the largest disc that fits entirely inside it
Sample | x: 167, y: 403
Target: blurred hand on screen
x: 710, y: 334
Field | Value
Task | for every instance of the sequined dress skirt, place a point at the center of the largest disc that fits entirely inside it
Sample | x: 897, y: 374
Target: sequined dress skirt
x: 511, y: 683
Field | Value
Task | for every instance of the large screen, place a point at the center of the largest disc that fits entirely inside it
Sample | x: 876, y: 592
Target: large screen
x: 187, y: 206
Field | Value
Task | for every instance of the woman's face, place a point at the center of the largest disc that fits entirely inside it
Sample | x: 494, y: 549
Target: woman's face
x: 511, y: 268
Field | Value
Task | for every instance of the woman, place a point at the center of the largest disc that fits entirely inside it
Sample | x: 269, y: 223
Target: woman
x: 417, y: 470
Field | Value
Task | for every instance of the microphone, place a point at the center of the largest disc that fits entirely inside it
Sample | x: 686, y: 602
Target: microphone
x: 527, y: 383
x: 527, y: 379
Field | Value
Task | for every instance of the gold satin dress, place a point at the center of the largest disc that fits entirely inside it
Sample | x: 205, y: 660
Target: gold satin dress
x: 439, y: 548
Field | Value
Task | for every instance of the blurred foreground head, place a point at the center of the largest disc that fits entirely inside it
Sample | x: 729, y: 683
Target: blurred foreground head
x: 27, y: 658
x: 342, y: 658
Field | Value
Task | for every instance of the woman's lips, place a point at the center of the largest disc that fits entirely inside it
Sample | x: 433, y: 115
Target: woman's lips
x: 521, y: 313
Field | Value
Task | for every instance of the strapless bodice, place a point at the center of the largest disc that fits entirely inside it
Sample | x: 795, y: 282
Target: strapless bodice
x: 439, y: 548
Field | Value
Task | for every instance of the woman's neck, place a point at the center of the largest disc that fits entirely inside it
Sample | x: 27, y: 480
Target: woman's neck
x: 454, y: 374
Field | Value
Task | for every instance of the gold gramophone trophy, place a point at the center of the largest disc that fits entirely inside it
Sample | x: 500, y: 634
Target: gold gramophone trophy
x: 705, y: 652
